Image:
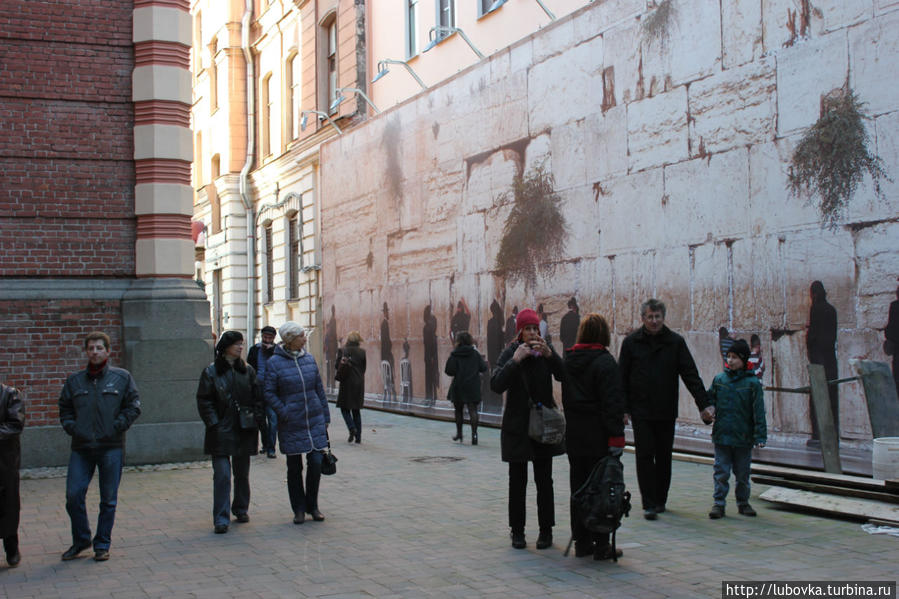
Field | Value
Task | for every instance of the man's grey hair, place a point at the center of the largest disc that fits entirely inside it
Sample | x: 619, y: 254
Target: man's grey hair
x: 290, y: 330
x: 652, y: 305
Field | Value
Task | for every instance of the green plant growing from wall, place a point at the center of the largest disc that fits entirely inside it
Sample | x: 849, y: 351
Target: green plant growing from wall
x: 833, y: 156
x: 656, y: 24
x: 534, y: 233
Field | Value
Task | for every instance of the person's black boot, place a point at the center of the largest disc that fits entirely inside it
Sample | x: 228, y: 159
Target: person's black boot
x: 518, y: 541
x: 545, y: 539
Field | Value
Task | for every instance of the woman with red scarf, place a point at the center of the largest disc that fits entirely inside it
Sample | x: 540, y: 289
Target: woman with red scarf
x: 593, y: 400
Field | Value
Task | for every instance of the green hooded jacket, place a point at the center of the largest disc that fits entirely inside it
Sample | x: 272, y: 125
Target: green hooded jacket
x: 739, y: 409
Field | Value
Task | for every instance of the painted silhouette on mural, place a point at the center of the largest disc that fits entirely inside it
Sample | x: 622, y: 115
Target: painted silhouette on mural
x: 725, y: 342
x: 891, y: 338
x: 461, y: 320
x: 544, y: 324
x: 406, y: 374
x: 429, y: 340
x: 332, y: 345
x: 492, y: 401
x: 387, y: 365
x: 821, y: 341
x: 569, y: 325
x: 510, y: 326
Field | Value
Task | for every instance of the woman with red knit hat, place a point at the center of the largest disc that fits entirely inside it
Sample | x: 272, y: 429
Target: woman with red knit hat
x: 524, y: 372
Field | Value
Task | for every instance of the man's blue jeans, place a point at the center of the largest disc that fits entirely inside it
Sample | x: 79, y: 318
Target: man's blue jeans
x: 271, y: 443
x: 81, y: 471
x: 738, y: 459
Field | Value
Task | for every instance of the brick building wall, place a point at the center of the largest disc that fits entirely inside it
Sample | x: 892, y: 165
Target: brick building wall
x: 67, y: 169
x: 42, y: 347
x: 95, y: 213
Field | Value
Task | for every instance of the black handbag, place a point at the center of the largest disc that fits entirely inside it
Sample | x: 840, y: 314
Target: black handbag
x: 329, y: 462
x: 246, y: 418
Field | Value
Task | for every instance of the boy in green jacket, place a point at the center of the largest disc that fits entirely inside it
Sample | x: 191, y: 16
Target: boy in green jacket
x: 737, y: 397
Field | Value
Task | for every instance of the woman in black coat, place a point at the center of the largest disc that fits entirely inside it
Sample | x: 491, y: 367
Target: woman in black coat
x: 351, y: 375
x: 465, y: 364
x: 525, y: 371
x: 593, y: 399
x: 12, y: 421
x: 226, y: 386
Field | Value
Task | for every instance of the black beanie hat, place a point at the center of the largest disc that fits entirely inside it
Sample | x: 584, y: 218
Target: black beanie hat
x: 227, y: 339
x: 269, y: 329
x: 741, y: 348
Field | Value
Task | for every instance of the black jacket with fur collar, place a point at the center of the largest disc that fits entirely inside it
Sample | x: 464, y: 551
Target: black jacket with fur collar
x: 221, y: 389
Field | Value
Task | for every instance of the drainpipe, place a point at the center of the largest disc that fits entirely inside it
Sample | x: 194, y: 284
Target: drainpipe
x: 245, y: 171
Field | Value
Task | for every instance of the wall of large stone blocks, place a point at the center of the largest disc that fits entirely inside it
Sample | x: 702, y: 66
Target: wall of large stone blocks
x: 670, y: 155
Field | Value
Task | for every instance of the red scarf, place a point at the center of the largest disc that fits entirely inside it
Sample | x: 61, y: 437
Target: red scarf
x: 580, y: 346
x: 94, y: 372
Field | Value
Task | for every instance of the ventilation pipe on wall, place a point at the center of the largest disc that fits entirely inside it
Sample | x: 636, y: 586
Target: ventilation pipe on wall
x: 245, y: 171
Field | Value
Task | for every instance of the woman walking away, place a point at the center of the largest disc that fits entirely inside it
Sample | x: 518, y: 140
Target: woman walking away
x: 351, y: 375
x: 593, y: 399
x: 294, y: 390
x: 524, y: 372
x: 465, y: 365
x: 230, y: 404
x: 12, y: 421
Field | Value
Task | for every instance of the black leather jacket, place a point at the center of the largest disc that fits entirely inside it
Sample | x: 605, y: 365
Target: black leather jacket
x: 97, y: 412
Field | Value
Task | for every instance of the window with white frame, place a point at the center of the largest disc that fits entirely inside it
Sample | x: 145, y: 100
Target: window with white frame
x: 294, y: 97
x: 294, y: 262
x: 265, y: 93
x: 411, y: 28
x: 269, y: 264
x: 446, y: 16
x: 332, y: 61
x: 486, y: 6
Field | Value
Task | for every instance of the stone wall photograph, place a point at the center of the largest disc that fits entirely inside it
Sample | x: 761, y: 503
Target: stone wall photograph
x: 668, y: 148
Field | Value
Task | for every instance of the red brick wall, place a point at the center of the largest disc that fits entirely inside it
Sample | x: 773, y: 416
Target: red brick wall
x: 67, y: 175
x: 42, y: 345
x: 66, y: 144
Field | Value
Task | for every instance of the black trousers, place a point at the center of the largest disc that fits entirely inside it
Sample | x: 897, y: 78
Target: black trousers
x: 518, y: 484
x: 653, y: 444
x: 580, y: 468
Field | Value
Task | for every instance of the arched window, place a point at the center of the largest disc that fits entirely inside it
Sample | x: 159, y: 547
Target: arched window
x: 327, y: 63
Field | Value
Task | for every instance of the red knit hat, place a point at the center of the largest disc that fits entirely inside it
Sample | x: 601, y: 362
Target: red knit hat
x: 526, y: 317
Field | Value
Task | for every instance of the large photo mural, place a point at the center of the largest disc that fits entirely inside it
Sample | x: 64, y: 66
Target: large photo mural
x: 588, y: 168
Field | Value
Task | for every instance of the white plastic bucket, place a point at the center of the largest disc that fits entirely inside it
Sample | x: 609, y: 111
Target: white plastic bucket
x: 885, y: 460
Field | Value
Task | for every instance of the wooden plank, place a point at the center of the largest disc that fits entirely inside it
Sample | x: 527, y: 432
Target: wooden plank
x: 830, y: 449
x: 826, y: 478
x: 880, y: 394
x: 861, y: 509
x: 777, y: 481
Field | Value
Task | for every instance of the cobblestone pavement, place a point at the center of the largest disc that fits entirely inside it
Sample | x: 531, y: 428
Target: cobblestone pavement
x: 411, y: 514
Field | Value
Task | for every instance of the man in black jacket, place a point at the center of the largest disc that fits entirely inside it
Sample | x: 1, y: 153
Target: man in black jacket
x: 257, y: 358
x: 650, y: 361
x: 97, y: 405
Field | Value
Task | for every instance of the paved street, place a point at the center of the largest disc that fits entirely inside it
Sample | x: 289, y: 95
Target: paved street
x: 411, y: 514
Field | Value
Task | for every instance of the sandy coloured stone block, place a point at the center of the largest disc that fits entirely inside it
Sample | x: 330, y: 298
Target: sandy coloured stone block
x: 873, y: 54
x: 737, y: 107
x: 606, y: 144
x: 560, y: 88
x: 621, y: 200
x: 806, y: 72
x: 703, y: 199
x: 657, y: 130
x: 741, y: 32
x: 771, y: 208
x: 710, y: 297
